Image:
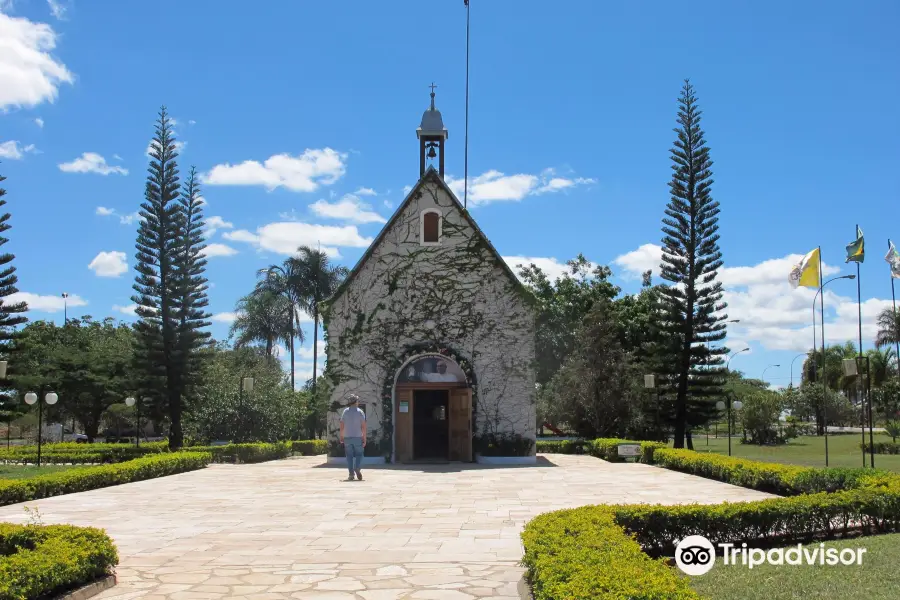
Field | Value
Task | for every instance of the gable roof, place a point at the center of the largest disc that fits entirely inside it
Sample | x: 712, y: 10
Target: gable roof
x: 430, y: 175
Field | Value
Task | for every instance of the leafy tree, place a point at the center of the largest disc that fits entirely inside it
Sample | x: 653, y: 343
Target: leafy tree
x: 318, y: 280
x: 880, y: 363
x: 190, y: 299
x: 12, y: 314
x: 886, y: 398
x: 592, y: 385
x: 88, y: 363
x: 892, y: 428
x: 692, y: 305
x: 888, y: 328
x: 157, y: 282
x: 561, y: 307
x: 262, y: 316
x: 220, y: 411
x: 282, y: 281
x: 759, y: 417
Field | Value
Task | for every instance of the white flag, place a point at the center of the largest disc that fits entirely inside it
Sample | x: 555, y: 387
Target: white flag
x: 893, y: 258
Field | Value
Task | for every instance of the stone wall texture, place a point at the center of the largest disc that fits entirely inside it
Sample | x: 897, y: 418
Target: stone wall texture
x: 479, y: 313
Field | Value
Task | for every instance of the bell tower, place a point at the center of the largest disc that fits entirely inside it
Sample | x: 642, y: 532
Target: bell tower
x: 432, y: 134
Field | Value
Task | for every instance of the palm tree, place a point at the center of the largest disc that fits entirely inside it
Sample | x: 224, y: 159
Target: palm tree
x: 888, y: 328
x: 281, y: 280
x: 318, y: 280
x: 880, y: 365
x: 263, y: 316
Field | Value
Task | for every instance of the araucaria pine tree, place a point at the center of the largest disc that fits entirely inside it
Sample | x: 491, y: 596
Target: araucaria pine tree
x: 191, y: 287
x: 12, y: 314
x: 157, y: 282
x: 692, y: 306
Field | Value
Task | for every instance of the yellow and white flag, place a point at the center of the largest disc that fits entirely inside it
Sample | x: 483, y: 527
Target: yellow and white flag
x: 806, y: 272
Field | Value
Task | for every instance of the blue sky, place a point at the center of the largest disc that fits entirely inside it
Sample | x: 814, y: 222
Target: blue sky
x: 302, y: 117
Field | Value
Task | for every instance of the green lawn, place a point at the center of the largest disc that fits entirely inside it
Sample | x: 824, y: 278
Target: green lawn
x: 878, y: 578
x: 21, y: 472
x: 843, y: 451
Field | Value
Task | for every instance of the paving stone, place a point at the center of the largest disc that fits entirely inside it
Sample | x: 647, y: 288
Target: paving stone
x: 292, y: 529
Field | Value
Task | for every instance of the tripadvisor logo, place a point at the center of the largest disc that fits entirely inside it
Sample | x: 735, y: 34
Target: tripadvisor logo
x: 696, y: 555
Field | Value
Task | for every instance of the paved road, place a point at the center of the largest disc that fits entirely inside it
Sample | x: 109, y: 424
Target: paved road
x: 294, y: 529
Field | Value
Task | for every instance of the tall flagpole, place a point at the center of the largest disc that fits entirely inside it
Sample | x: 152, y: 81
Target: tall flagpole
x: 894, y: 300
x: 859, y: 375
x: 824, y: 378
x: 466, y: 144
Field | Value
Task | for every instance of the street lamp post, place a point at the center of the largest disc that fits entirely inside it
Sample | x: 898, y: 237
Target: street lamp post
x: 130, y: 401
x: 246, y: 386
x: 738, y: 405
x: 792, y: 366
x: 824, y: 379
x: 766, y: 369
x: 50, y: 398
x: 65, y: 297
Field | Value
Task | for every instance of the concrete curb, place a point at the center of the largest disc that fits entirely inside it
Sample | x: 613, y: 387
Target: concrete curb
x: 524, y: 589
x: 90, y: 590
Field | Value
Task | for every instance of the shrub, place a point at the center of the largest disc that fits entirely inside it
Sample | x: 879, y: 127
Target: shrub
x: 561, y: 446
x: 90, y: 478
x: 504, y: 444
x: 608, y: 449
x: 373, y: 448
x: 246, y: 453
x: 883, y: 447
x: 79, y: 454
x: 42, y: 561
x: 583, y: 554
x: 310, y: 447
x: 788, y: 480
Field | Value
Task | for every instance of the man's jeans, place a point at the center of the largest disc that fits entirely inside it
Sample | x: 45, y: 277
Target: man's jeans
x: 353, y: 448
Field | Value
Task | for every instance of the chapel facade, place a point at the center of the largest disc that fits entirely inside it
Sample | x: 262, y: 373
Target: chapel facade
x: 432, y: 329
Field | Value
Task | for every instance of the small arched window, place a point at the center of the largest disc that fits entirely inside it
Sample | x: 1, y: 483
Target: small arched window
x: 430, y: 229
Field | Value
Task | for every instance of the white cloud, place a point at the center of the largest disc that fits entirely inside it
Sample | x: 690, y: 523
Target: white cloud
x: 126, y: 310
x: 551, y: 267
x: 109, y: 264
x: 349, y: 208
x: 388, y: 204
x: 772, y: 313
x: 494, y: 186
x: 364, y: 191
x: 179, y: 144
x: 13, y: 151
x: 192, y: 122
x: 306, y: 353
x: 29, y: 75
x: 213, y: 250
x: 49, y: 304
x: 406, y: 190
x: 223, y: 317
x: 303, y: 173
x: 57, y: 9
x: 91, y: 162
x: 39, y: 122
x: 128, y: 219
x: 214, y: 223
x: 286, y: 237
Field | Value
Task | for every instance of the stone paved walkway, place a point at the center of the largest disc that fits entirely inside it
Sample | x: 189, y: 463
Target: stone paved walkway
x: 294, y: 529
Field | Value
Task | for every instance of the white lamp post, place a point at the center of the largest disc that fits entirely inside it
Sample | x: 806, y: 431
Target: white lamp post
x: 50, y: 398
x: 246, y: 386
x: 130, y: 401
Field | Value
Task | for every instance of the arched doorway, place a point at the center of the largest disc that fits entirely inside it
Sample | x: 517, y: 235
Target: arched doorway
x: 432, y: 407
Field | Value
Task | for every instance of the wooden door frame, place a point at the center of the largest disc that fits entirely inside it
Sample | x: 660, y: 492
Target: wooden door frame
x: 413, y: 387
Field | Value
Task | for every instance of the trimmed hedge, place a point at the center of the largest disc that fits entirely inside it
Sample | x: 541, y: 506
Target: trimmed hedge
x: 574, y: 554
x: 79, y: 454
x: 245, y: 453
x: 785, y: 480
x: 883, y: 447
x: 583, y: 554
x: 90, y: 478
x: 561, y: 446
x: 608, y: 449
x: 38, y: 561
x: 310, y: 447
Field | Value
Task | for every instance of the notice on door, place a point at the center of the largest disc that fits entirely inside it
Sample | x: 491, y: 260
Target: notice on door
x: 404, y: 407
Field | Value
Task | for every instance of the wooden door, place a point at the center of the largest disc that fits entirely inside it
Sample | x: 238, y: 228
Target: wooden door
x: 461, y: 424
x: 403, y: 430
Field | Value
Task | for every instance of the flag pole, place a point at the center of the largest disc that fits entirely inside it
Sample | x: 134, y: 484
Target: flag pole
x: 466, y: 144
x: 824, y: 378
x: 894, y: 300
x: 859, y: 375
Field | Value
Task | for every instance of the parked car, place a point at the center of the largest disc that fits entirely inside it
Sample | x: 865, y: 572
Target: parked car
x: 56, y: 432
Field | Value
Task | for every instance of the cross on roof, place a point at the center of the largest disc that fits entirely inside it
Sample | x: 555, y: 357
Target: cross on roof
x: 432, y: 86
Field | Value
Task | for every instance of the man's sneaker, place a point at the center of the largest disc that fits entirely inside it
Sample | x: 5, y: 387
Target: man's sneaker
x: 350, y: 477
x: 359, y: 475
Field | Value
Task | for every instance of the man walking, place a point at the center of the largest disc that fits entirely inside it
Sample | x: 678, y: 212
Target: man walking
x: 353, y: 436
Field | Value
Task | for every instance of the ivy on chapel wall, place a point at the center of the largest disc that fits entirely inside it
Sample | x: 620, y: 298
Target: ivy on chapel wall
x: 481, y: 317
